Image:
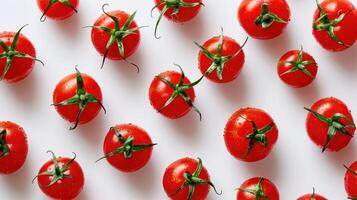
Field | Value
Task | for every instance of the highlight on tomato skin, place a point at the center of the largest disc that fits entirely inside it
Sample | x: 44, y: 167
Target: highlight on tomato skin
x: 56, y: 9
x: 257, y: 188
x: 329, y: 124
x: 264, y: 19
x: 351, y: 180
x: 334, y: 24
x: 13, y: 147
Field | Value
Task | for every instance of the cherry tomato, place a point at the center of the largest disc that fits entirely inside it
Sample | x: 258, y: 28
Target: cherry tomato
x: 115, y: 35
x: 57, y: 9
x: 186, y: 178
x: 61, y: 178
x: 312, y: 196
x: 17, y: 56
x: 250, y: 134
x: 351, y: 181
x: 172, y: 94
x: 264, y: 19
x: 297, y: 68
x: 258, y: 188
x: 78, y: 98
x: 221, y: 59
x: 329, y: 124
x: 334, y: 24
x: 127, y: 147
x: 176, y: 10
x: 13, y: 147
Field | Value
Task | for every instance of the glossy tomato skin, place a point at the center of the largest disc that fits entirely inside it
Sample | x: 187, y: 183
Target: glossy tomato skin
x: 296, y: 79
x: 16, y: 140
x: 67, y: 188
x: 184, y: 14
x: 237, y: 128
x: 309, y: 197
x: 269, y: 189
x: 160, y: 92
x: 317, y: 130
x: 100, y: 38
x: 20, y: 68
x: 139, y: 158
x: 67, y: 88
x: 232, y: 68
x: 351, y: 181
x: 58, y: 11
x: 174, y: 178
x: 345, y: 30
x: 249, y: 10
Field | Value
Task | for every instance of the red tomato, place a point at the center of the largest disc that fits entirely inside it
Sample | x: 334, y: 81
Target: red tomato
x: 312, y: 196
x: 57, y: 9
x: 297, y: 68
x: 17, y: 56
x: 61, y: 178
x: 127, y: 147
x: 13, y: 147
x: 258, y: 188
x: 329, y: 124
x: 115, y: 35
x: 186, y: 178
x: 264, y: 19
x: 78, y: 98
x: 172, y: 94
x: 221, y: 58
x: 177, y: 10
x: 351, y: 181
x: 334, y: 24
x: 250, y: 134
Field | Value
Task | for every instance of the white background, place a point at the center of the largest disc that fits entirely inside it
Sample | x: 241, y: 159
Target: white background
x: 295, y: 165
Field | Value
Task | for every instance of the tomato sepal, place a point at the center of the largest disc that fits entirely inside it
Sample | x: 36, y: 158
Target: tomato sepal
x: 266, y: 18
x: 258, y: 191
x: 50, y: 4
x: 191, y: 180
x: 127, y: 148
x: 4, y: 148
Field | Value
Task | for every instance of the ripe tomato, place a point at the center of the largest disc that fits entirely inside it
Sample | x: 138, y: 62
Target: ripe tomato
x: 57, y: 9
x: 329, y: 124
x: 78, y: 98
x: 223, y: 55
x: 115, y: 35
x: 186, y: 178
x: 250, y: 134
x: 61, y: 178
x: 351, y: 181
x: 312, y: 196
x: 13, y: 147
x: 17, y: 56
x: 176, y: 10
x: 127, y: 147
x: 334, y: 24
x: 172, y: 94
x: 264, y: 19
x: 257, y: 188
x: 297, y: 68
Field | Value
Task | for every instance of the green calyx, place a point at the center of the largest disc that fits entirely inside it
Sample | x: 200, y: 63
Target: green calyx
x: 175, y: 5
x: 127, y: 148
x: 299, y: 65
x: 10, y: 53
x: 323, y: 23
x: 58, y: 173
x: 257, y: 135
x: 218, y: 61
x: 50, y: 4
x: 191, y: 180
x: 350, y: 170
x: 4, y: 148
x: 313, y: 194
x: 266, y: 18
x: 82, y: 98
x: 117, y: 34
x: 180, y: 90
x: 334, y: 125
x: 257, y: 192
